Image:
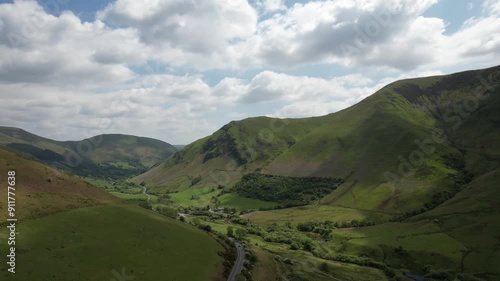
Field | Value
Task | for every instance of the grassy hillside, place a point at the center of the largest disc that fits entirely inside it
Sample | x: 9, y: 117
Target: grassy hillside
x: 103, y: 156
x: 384, y: 147
x: 92, y: 243
x: 461, y: 235
x: 223, y: 157
x: 9, y: 135
x: 70, y: 230
x: 420, y: 160
x: 42, y: 190
x: 124, y: 150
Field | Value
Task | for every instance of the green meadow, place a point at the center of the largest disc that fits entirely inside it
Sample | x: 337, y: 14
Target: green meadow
x: 128, y: 196
x: 317, y: 213
x: 232, y: 200
x: 195, y: 197
x: 91, y: 243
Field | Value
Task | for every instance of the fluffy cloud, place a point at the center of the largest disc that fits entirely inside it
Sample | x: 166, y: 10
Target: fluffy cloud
x: 269, y: 86
x: 67, y: 79
x: 361, y: 33
x: 176, y: 114
x: 171, y: 107
x: 271, y: 5
x: 229, y: 34
x: 190, y: 29
x: 40, y: 48
x: 337, y: 32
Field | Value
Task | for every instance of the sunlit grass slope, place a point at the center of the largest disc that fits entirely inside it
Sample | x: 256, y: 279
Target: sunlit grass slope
x: 70, y: 230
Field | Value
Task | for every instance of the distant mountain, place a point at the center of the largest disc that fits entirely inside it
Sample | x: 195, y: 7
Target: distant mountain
x: 179, y: 146
x: 404, y: 149
x: 103, y: 156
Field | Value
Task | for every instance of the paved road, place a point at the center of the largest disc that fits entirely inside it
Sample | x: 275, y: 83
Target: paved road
x: 144, y: 192
x: 238, y: 266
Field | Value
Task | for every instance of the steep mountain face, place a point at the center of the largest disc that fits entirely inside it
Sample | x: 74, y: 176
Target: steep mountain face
x: 235, y: 149
x: 104, y: 156
x: 406, y: 149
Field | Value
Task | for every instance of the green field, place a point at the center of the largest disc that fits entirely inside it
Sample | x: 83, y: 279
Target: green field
x: 90, y: 243
x: 202, y: 197
x: 128, y: 196
x: 232, y: 200
x: 424, y: 243
x: 102, y: 183
x: 316, y: 213
x: 195, y: 197
x: 304, y: 265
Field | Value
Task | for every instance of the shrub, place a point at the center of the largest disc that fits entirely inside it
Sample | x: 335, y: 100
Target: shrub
x: 308, y: 244
x: 230, y: 231
x: 167, y: 211
x: 240, y: 233
x: 295, y: 245
x: 205, y: 227
x: 306, y: 226
x: 324, y: 267
x: 145, y: 205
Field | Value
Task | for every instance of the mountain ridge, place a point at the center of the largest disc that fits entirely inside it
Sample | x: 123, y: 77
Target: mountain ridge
x: 105, y: 155
x: 353, y: 144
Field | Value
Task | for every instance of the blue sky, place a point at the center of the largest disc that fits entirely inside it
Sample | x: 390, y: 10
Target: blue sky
x: 179, y: 70
x: 454, y: 12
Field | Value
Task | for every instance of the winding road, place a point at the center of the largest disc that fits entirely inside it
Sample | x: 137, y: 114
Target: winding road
x: 144, y: 192
x: 240, y: 259
x: 238, y: 265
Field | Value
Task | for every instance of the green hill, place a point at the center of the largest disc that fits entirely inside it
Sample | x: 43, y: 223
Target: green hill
x: 103, y: 156
x: 70, y: 230
x: 419, y: 161
x: 387, y: 148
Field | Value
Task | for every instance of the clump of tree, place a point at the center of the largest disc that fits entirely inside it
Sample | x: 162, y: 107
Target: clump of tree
x: 324, y: 267
x: 240, y: 233
x: 400, y: 251
x: 325, y: 228
x: 230, y: 231
x: 205, y: 227
x: 240, y: 221
x: 290, y: 191
x: 145, y: 205
x: 167, y: 211
x: 195, y: 180
x: 308, y: 244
